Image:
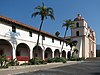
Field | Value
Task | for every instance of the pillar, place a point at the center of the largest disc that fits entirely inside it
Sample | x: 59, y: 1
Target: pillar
x: 31, y: 54
x: 14, y: 52
x: 52, y: 54
x: 43, y: 54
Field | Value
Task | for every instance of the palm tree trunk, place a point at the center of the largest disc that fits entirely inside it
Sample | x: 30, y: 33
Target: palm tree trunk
x: 38, y: 38
x: 63, y: 41
x: 39, y: 32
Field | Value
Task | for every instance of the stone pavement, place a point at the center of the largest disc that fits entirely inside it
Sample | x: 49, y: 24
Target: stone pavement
x: 31, y: 68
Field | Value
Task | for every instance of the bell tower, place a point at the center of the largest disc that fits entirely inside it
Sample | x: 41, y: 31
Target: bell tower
x: 80, y: 33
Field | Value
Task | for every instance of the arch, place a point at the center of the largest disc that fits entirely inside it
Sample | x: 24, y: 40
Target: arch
x: 63, y: 54
x: 69, y: 55
x: 6, y: 48
x: 75, y: 53
x: 77, y: 33
x: 57, y: 53
x: 48, y: 53
x: 22, y: 52
x: 38, y: 52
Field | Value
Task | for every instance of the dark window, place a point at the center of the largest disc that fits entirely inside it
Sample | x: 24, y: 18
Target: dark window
x: 14, y: 29
x: 46, y: 55
x: 43, y: 37
x: 1, y: 52
x: 17, y: 53
x: 66, y: 44
x: 36, y: 55
x: 60, y: 42
x: 30, y: 33
x: 52, y: 40
x: 77, y: 33
x: 77, y: 24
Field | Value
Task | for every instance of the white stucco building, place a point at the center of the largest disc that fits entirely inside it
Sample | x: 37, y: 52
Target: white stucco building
x: 18, y: 40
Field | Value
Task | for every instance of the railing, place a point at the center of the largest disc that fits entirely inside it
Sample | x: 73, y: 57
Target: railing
x: 22, y: 58
x: 9, y: 57
x: 19, y: 58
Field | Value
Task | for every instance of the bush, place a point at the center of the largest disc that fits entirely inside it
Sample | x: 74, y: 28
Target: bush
x: 13, y: 62
x: 51, y: 60
x: 63, y: 60
x: 36, y: 61
x: 76, y: 59
x: 3, y: 61
x: 24, y: 64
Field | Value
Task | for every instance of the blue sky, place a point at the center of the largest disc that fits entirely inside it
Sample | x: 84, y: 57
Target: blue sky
x: 21, y: 10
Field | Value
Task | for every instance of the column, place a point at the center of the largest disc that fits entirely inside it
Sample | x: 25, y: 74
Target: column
x: 31, y: 54
x: 60, y: 54
x: 14, y: 52
x: 52, y: 54
x: 43, y: 54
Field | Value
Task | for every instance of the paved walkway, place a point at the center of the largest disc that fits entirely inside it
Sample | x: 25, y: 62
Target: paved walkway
x: 24, y: 69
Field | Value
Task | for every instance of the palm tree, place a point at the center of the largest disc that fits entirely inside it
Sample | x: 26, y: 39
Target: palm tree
x: 43, y: 12
x: 57, y: 33
x: 68, y: 24
x: 71, y: 44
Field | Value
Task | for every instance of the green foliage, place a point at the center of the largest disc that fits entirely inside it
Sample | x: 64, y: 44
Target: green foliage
x: 24, y: 64
x: 36, y: 61
x: 13, y: 62
x: 76, y: 59
x: 57, y: 33
x: 51, y: 60
x: 3, y: 61
x: 44, y: 12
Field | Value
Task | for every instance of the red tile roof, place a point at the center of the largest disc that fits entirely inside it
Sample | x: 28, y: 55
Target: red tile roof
x: 6, y: 19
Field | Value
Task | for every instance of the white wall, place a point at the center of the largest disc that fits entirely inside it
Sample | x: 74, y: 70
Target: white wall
x: 23, y: 37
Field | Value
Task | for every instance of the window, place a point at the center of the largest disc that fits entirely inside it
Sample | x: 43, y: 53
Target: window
x: 77, y: 24
x: 52, y: 40
x: 77, y: 33
x: 46, y: 55
x: 17, y: 53
x: 30, y: 33
x: 1, y: 52
x: 66, y: 44
x: 14, y: 29
x: 43, y: 37
x: 60, y: 42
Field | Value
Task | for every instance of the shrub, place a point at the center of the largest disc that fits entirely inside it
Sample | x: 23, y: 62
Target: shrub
x: 3, y: 61
x: 50, y: 60
x: 24, y: 64
x: 63, y: 60
x: 13, y: 62
x: 76, y: 59
x: 36, y: 61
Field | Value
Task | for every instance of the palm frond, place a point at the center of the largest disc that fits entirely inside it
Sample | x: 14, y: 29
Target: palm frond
x: 51, y: 16
x: 35, y: 14
x: 42, y: 4
x: 37, y: 8
x: 49, y: 9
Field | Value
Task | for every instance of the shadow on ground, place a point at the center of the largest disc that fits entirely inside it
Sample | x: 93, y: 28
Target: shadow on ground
x: 96, y: 73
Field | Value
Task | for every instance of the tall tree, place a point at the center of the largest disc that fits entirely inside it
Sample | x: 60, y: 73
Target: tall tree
x: 57, y: 33
x: 68, y: 24
x: 43, y: 12
x: 71, y: 43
